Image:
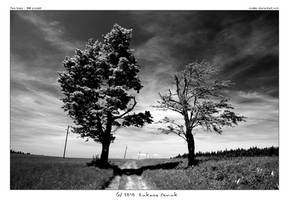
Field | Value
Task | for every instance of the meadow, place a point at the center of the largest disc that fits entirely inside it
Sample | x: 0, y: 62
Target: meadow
x: 217, y: 174
x: 211, y: 172
x: 44, y: 172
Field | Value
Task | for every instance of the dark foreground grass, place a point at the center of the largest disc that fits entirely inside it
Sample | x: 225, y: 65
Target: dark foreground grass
x: 43, y: 172
x: 231, y: 173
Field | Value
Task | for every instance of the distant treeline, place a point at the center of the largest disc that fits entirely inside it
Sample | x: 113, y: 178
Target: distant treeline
x: 253, y: 151
x: 19, y: 152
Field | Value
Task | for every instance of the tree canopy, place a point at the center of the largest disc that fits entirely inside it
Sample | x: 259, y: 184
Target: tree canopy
x: 199, y: 97
x: 99, y: 86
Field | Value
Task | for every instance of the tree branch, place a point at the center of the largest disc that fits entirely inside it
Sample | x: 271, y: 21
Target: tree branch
x: 169, y: 103
x: 169, y: 130
x: 126, y: 112
x: 177, y: 84
x: 186, y: 85
x: 99, y: 124
x: 172, y: 127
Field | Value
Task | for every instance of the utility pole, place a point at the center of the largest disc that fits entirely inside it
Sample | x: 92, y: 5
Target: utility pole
x: 138, y: 155
x: 65, y: 142
x: 125, y: 152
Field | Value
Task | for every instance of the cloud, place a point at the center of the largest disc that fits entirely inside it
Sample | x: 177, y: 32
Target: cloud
x: 244, y: 45
x: 52, y: 31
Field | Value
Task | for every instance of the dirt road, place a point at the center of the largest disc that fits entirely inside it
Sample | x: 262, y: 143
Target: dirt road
x: 128, y: 182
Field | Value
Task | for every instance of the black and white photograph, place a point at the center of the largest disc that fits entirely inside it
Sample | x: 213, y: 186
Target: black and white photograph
x: 146, y: 100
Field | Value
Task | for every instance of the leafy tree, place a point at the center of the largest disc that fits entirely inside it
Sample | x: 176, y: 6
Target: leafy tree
x: 198, y: 97
x: 99, y: 86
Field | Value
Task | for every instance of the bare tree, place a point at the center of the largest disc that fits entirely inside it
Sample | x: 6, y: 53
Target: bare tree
x: 198, y: 96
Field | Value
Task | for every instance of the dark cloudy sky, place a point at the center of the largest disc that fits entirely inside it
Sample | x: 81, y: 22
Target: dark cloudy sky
x: 243, y: 44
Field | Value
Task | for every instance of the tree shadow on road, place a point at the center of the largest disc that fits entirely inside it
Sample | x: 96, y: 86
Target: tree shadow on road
x: 118, y: 171
x: 139, y: 171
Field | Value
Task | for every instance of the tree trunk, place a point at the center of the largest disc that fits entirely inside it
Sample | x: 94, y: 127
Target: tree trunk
x: 105, y: 152
x: 191, y: 149
x: 106, y: 140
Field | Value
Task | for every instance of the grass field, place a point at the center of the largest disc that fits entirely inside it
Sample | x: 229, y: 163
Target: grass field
x: 230, y: 173
x: 44, y: 172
